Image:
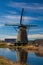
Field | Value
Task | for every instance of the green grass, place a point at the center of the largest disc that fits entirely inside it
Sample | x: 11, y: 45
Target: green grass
x: 2, y: 63
x: 3, y: 46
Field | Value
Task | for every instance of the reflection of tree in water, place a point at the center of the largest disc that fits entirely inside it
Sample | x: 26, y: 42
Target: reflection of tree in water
x: 22, y: 56
x: 39, y: 53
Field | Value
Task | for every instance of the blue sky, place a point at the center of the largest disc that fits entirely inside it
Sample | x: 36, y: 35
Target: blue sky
x: 10, y: 12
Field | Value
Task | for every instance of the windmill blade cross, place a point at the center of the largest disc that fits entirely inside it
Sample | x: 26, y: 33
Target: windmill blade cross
x: 21, y: 16
x: 18, y: 25
x: 15, y: 28
x: 31, y: 25
x: 11, y: 25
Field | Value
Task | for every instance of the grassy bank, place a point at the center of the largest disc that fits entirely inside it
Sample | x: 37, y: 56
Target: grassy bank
x: 4, y: 61
x: 26, y: 47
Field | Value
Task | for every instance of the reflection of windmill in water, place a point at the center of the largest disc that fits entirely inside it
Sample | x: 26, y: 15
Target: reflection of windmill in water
x: 22, y: 33
x: 22, y: 56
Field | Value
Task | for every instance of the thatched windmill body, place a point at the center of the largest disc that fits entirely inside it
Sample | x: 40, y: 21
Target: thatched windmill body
x: 22, y: 33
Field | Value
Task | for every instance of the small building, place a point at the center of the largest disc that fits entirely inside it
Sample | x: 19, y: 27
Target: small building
x: 10, y: 40
x: 39, y: 42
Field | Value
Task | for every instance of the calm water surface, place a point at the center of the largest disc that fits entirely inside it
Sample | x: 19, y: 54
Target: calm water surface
x: 30, y: 58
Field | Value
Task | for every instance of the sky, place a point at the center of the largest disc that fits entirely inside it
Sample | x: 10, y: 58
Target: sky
x: 10, y: 12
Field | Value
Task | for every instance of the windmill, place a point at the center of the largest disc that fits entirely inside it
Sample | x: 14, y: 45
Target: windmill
x: 22, y: 30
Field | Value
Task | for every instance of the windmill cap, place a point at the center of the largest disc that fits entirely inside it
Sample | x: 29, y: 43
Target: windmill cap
x: 22, y: 26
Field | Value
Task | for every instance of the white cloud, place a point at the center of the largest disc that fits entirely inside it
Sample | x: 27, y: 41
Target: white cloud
x: 13, y: 17
x: 11, y: 37
x: 2, y: 37
x: 17, y: 17
x: 34, y: 6
x: 36, y: 29
x: 1, y: 25
x: 35, y: 36
x: 11, y: 12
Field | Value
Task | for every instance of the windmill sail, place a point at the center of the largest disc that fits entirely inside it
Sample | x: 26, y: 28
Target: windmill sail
x: 21, y: 16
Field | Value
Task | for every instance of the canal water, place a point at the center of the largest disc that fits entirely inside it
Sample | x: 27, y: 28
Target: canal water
x: 29, y: 58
